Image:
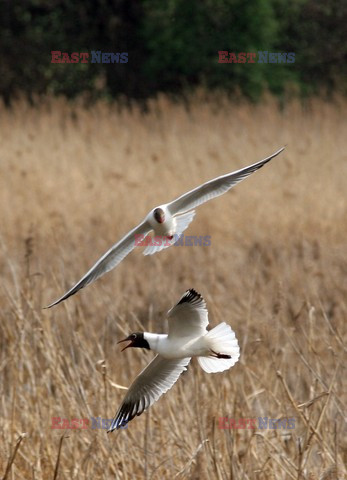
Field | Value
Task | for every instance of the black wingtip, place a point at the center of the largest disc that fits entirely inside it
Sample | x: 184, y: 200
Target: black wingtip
x: 267, y: 159
x: 63, y: 298
x: 50, y: 305
x: 191, y: 296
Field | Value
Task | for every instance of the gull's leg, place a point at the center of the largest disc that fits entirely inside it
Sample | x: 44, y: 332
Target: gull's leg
x: 219, y: 355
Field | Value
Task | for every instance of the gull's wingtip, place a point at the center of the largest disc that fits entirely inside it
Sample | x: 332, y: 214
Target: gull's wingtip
x: 48, y: 306
x: 66, y: 295
x: 277, y: 152
x: 280, y: 149
x: 52, y: 304
x: 112, y: 428
x: 270, y: 157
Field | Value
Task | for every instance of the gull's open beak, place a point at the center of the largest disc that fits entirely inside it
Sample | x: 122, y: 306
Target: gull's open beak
x: 126, y: 340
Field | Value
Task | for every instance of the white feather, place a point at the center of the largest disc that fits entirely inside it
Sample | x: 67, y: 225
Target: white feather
x: 220, y: 339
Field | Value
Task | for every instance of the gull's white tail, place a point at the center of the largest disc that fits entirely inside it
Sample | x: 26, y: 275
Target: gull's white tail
x: 162, y: 241
x: 221, y: 340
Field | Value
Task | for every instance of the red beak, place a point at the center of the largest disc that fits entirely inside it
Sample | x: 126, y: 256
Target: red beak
x: 126, y: 340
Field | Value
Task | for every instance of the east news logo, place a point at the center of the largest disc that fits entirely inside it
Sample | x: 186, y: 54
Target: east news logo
x: 95, y: 56
x: 262, y: 423
x: 255, y: 57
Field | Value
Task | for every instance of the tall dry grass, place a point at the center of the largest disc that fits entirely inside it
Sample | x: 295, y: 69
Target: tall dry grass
x: 73, y: 180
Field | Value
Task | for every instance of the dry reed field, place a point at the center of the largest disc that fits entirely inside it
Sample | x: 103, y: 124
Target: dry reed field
x: 73, y: 181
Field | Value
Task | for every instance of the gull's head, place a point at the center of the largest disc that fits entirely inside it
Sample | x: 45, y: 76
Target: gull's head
x: 136, y: 340
x: 159, y: 215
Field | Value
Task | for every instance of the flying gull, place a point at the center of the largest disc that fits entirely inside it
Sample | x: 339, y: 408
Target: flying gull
x: 216, y: 350
x: 168, y: 221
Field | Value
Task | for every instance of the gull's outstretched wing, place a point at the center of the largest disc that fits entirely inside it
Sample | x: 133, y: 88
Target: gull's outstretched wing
x: 108, y: 261
x: 214, y: 188
x: 157, y: 378
x: 189, y: 318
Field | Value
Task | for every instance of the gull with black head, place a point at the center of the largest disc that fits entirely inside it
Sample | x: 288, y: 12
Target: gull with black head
x: 216, y: 350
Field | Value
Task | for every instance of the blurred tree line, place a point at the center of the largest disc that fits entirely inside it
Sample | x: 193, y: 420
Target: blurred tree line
x: 172, y: 46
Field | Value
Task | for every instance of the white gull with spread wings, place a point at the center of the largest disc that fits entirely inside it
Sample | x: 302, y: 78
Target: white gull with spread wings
x: 168, y: 221
x: 217, y: 350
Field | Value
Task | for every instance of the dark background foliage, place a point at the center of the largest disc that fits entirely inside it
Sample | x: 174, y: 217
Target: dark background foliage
x: 173, y: 46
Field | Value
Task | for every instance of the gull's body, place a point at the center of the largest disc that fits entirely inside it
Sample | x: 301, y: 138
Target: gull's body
x: 167, y: 221
x: 217, y: 350
x: 170, y: 348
